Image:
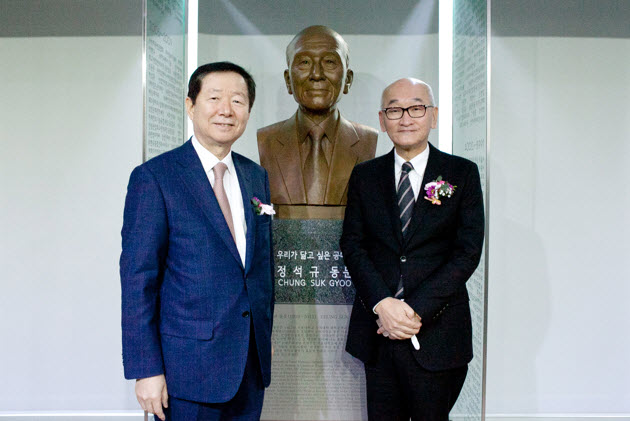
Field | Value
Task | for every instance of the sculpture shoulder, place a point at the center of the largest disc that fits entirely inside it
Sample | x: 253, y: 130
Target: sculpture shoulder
x: 368, y: 137
x: 271, y: 131
x: 364, y: 132
x: 266, y: 137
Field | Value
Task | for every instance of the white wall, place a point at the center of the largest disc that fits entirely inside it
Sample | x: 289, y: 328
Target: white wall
x: 71, y: 131
x: 559, y: 317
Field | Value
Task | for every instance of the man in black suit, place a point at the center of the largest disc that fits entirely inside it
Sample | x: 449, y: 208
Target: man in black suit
x: 412, y: 236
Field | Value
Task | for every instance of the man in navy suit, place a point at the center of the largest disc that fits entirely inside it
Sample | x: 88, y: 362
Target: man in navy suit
x: 410, y: 243
x: 196, y: 264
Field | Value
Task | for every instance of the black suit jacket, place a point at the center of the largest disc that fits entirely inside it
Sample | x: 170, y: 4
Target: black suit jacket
x: 436, y: 259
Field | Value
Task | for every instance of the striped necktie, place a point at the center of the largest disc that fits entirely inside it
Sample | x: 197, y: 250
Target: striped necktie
x: 406, y: 200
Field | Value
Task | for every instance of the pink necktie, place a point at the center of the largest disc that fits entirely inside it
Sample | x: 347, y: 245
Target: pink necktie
x: 219, y: 192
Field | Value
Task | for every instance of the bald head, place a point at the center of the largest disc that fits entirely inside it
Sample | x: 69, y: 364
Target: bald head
x: 415, y: 116
x: 317, y: 32
x: 408, y: 83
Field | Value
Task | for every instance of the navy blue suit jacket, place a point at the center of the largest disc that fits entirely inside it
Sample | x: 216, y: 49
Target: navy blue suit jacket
x: 187, y: 299
x: 435, y: 260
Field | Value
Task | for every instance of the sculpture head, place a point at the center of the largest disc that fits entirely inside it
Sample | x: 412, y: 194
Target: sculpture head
x: 317, y: 69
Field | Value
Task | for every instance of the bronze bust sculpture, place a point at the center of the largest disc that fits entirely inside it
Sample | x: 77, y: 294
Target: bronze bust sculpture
x: 310, y: 156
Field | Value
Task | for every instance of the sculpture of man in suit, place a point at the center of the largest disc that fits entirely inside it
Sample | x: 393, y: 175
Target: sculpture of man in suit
x: 310, y: 156
x: 412, y: 237
x: 196, y: 264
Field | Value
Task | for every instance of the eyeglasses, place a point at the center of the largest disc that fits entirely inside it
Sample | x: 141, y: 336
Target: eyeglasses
x: 415, y: 111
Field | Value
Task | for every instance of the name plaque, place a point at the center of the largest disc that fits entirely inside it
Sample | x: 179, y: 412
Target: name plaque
x: 309, y: 264
x: 313, y: 378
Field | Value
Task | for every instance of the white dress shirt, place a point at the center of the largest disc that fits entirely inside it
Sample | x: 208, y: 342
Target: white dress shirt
x: 416, y: 175
x: 232, y: 190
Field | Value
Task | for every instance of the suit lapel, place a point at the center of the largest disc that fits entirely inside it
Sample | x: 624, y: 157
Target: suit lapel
x: 244, y: 182
x: 430, y: 173
x: 343, y: 161
x: 285, y: 150
x: 197, y: 184
x: 387, y: 187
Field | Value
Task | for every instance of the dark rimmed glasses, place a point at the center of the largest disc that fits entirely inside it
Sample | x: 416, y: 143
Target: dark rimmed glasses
x: 415, y: 111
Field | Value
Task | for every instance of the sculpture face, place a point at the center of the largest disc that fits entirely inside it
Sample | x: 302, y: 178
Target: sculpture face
x: 317, y: 73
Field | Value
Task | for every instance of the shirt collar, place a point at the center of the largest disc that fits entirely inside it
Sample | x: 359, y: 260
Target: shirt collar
x: 419, y: 161
x: 304, y: 125
x: 209, y: 160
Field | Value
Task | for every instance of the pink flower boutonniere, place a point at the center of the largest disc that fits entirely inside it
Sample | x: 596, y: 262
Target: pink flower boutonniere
x: 261, y: 209
x: 438, y: 188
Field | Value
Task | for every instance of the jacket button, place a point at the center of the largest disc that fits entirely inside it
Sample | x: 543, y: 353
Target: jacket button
x: 246, y: 314
x: 403, y: 259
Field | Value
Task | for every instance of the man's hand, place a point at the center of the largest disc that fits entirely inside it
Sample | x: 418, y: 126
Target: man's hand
x: 152, y: 395
x: 398, y: 320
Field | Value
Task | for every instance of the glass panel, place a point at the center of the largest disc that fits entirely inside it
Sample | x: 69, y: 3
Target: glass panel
x: 165, y: 75
x: 470, y: 90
